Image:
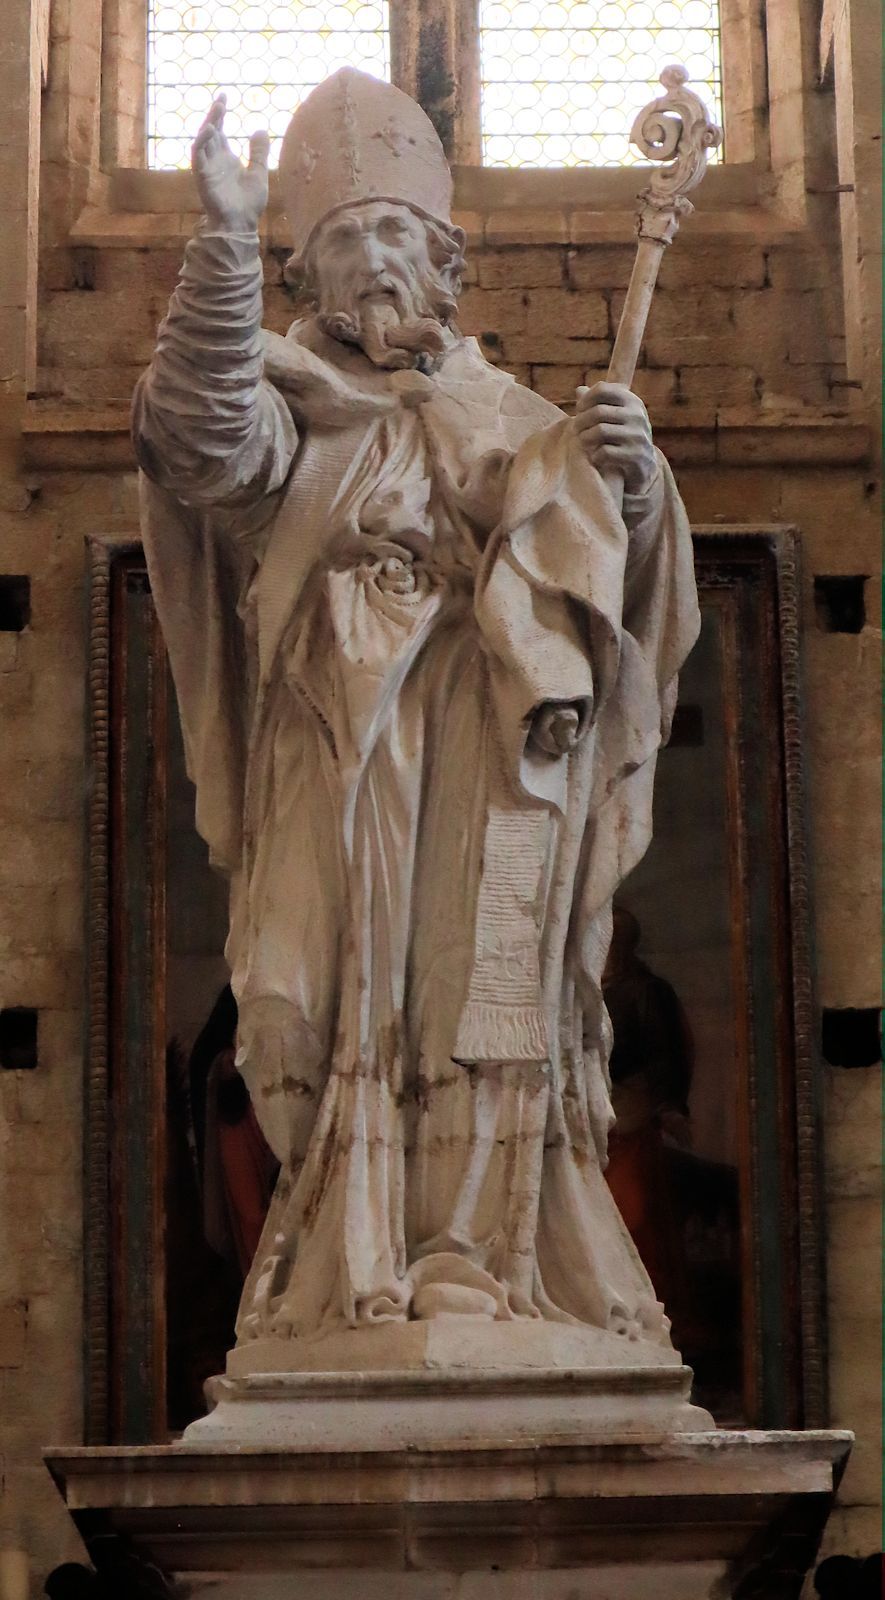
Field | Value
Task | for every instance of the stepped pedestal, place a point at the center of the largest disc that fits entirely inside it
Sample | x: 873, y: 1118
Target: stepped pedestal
x: 448, y: 1383
x: 456, y: 1484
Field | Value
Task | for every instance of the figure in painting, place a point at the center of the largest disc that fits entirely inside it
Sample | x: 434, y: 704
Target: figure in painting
x: 682, y: 1207
x: 425, y: 659
x: 237, y: 1170
x: 220, y: 1176
x: 650, y: 1067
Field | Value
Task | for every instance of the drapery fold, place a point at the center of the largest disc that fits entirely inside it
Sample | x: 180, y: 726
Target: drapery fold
x: 426, y: 1056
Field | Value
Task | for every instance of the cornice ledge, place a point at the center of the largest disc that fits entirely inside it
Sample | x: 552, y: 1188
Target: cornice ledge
x: 135, y: 209
x: 59, y: 438
x: 500, y: 228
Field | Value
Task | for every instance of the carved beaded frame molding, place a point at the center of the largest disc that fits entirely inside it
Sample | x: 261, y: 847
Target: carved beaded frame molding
x: 124, y: 1391
x: 753, y: 571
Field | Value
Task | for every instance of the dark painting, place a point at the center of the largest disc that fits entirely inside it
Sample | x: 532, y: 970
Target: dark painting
x: 676, y: 1068
x: 707, y: 986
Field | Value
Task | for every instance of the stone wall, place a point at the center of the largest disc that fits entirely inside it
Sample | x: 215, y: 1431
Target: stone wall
x: 734, y: 323
x: 765, y: 418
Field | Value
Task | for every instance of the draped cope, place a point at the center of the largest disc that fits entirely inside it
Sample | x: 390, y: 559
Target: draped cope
x: 368, y: 583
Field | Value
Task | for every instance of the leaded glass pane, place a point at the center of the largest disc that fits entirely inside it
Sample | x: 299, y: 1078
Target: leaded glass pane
x: 562, y: 80
x: 265, y: 56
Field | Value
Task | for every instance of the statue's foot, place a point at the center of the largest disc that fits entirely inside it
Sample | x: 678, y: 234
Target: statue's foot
x: 444, y: 1283
x: 452, y: 1300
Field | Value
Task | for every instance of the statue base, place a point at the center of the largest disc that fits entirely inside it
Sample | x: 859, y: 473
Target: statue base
x: 447, y: 1410
x: 448, y: 1382
x: 694, y: 1516
x: 452, y: 1343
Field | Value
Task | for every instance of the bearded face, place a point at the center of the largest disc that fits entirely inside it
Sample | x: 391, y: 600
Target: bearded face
x: 386, y: 280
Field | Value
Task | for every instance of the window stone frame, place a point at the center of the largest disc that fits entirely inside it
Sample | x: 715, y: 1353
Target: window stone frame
x: 434, y: 48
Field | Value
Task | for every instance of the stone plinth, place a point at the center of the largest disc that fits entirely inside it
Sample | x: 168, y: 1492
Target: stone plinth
x: 450, y: 1383
x: 451, y: 1411
x: 457, y: 1345
x: 695, y: 1516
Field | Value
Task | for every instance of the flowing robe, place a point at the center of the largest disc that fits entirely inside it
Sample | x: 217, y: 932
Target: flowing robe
x: 368, y: 583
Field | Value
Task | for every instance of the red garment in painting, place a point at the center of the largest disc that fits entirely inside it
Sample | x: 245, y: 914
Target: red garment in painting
x: 246, y: 1165
x: 638, y: 1181
x: 239, y: 1168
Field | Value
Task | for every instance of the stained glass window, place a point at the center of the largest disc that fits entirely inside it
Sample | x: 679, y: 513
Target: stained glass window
x: 562, y: 80
x: 266, y: 57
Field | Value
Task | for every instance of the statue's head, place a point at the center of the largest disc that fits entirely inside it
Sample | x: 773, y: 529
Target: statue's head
x: 368, y: 193
x: 386, y: 279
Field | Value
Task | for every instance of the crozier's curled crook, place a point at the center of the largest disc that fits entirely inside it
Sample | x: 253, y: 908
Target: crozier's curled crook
x: 675, y: 129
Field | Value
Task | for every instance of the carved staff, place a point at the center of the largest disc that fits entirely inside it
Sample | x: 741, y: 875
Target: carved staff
x: 675, y: 128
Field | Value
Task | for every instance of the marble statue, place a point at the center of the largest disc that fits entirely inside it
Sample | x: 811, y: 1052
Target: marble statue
x: 425, y: 659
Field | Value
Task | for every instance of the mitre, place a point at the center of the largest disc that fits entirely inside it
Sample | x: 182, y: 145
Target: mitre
x: 356, y: 139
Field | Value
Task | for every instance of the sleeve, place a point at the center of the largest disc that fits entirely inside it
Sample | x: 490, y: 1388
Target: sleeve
x: 548, y: 598
x: 205, y: 424
x: 642, y: 514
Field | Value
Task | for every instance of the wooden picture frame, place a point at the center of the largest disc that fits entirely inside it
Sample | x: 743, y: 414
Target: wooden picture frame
x: 749, y: 586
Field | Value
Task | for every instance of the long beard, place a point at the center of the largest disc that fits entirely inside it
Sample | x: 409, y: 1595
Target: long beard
x: 401, y: 326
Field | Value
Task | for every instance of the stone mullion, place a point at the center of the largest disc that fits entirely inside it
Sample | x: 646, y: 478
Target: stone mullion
x: 744, y: 85
x: 434, y: 58
x: 21, y: 80
x: 70, y: 115
x: 857, y: 70
x: 124, y: 84
x: 468, y: 147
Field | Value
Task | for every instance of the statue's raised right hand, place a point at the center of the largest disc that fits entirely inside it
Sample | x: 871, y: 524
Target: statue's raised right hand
x: 232, y: 196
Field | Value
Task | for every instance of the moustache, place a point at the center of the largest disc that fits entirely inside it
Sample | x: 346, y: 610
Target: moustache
x: 380, y: 284
x: 388, y: 339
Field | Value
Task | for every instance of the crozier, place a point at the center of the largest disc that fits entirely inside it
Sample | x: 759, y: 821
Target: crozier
x: 425, y: 660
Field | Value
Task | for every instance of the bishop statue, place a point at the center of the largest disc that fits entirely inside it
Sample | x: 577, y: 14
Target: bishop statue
x: 425, y: 657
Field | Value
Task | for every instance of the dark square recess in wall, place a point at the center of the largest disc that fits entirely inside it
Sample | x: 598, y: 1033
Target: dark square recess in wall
x: 840, y: 603
x: 852, y: 1037
x: 15, y: 603
x: 18, y: 1039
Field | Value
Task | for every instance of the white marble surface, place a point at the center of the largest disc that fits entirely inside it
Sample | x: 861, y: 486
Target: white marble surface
x: 450, y: 1406
x: 453, y: 1347
x: 425, y: 662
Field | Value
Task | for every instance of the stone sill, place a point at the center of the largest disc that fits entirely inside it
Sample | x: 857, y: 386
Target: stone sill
x: 136, y: 209
x: 686, y: 1514
x: 72, y: 439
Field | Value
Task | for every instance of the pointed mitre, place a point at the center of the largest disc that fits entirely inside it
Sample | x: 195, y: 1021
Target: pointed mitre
x: 356, y: 139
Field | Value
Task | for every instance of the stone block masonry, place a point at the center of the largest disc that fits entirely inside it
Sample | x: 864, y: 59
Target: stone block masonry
x: 742, y: 325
